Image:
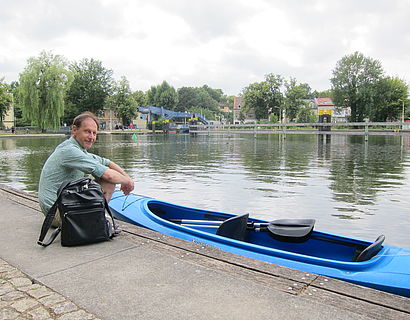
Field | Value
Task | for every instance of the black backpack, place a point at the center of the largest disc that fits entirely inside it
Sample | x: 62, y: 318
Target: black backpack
x: 82, y: 207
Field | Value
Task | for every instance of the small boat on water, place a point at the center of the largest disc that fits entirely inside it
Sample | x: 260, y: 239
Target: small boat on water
x: 288, y: 242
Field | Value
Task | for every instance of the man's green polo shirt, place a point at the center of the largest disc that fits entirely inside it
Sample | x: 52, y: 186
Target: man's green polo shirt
x: 69, y: 161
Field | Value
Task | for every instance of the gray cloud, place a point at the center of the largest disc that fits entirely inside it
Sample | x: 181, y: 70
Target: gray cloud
x: 211, y: 18
x: 214, y: 46
x: 43, y: 20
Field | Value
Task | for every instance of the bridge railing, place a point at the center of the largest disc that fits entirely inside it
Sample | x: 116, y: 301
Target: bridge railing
x: 365, y: 127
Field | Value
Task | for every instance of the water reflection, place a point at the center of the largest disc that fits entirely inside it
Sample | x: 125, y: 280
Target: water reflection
x: 21, y: 159
x: 359, y: 172
x: 345, y: 182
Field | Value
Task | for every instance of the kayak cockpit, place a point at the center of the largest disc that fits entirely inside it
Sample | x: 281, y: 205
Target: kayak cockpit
x: 289, y: 235
x: 289, y: 230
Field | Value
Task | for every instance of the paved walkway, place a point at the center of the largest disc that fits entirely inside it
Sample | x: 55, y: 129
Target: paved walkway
x: 145, y: 275
x: 21, y: 298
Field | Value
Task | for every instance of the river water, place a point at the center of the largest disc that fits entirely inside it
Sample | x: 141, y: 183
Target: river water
x: 349, y: 185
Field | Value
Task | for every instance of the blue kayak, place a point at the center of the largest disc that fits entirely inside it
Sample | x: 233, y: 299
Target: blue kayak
x: 291, y: 243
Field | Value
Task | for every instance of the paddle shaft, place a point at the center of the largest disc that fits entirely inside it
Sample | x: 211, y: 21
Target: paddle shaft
x: 215, y: 224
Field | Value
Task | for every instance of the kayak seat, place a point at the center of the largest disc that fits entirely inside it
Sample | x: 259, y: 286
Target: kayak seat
x: 370, y: 251
x: 291, y: 230
x: 234, y: 228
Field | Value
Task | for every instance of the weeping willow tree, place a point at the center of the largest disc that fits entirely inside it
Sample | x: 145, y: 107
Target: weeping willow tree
x: 43, y: 85
x: 6, y: 99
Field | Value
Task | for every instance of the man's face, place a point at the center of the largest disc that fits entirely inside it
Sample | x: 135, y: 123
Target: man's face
x: 86, y: 133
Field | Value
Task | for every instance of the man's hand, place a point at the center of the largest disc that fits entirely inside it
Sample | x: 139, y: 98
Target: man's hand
x: 117, y: 175
x: 127, y: 188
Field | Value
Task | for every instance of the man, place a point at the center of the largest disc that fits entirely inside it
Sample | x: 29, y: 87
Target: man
x: 71, y: 161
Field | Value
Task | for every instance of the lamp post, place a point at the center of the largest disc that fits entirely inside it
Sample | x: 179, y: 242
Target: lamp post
x: 402, y: 110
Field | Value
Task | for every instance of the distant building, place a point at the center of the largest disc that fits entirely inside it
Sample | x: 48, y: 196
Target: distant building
x: 238, y: 105
x: 224, y: 108
x: 141, y: 120
x: 8, y: 119
x: 109, y: 121
x: 326, y: 106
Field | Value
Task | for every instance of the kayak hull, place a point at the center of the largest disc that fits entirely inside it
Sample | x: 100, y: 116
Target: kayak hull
x: 323, y: 253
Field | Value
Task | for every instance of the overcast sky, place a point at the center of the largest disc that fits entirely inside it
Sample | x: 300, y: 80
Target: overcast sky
x: 226, y: 44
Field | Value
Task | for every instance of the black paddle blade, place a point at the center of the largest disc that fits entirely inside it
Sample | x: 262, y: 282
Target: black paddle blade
x: 291, y: 230
x: 234, y: 228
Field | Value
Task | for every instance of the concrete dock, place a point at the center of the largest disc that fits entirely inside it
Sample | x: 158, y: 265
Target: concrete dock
x: 142, y: 274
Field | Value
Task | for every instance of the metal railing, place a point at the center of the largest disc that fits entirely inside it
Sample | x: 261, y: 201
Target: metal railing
x: 331, y: 127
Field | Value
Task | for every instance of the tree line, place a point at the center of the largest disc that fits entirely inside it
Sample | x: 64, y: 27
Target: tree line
x: 358, y: 82
x: 51, y: 91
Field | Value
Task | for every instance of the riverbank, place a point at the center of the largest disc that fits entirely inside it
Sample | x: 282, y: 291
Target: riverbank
x: 143, y: 274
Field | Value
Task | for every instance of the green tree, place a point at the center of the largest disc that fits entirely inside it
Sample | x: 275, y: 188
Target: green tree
x: 294, y: 98
x: 305, y: 114
x: 150, y: 96
x: 206, y: 101
x: 391, y: 93
x: 354, y: 84
x: 201, y: 98
x: 91, y: 85
x: 43, y: 85
x: 265, y: 97
x: 229, y: 101
x: 256, y: 98
x: 139, y: 98
x: 18, y: 113
x: 187, y: 98
x: 323, y: 94
x: 122, y: 102
x: 275, y: 96
x: 216, y: 94
x: 309, y: 93
x: 162, y: 95
x: 6, y: 99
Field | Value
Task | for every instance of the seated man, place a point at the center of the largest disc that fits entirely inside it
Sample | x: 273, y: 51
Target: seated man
x: 70, y: 161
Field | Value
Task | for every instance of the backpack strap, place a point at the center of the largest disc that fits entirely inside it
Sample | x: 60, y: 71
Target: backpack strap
x: 115, y: 226
x: 49, y: 220
x: 46, y: 226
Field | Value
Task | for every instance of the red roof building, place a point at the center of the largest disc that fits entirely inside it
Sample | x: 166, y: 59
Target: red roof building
x: 326, y: 106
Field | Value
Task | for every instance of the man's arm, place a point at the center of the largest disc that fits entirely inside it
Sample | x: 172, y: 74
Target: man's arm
x: 89, y: 163
x: 117, y: 168
x: 116, y: 175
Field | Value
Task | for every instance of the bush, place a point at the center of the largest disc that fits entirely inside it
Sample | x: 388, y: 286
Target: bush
x: 273, y: 118
x: 157, y: 125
